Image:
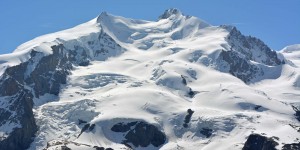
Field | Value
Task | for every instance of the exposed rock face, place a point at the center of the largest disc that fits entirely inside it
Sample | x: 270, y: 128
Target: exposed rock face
x: 259, y: 142
x: 64, y: 145
x: 89, y: 127
x: 297, y: 114
x: 293, y: 146
x: 188, y: 117
x: 36, y: 77
x: 243, y: 51
x: 140, y: 134
x: 206, y: 131
x: 240, y: 67
x: 18, y: 113
x: 21, y: 136
x: 39, y: 75
x: 50, y: 72
x: 252, y: 48
x: 170, y: 12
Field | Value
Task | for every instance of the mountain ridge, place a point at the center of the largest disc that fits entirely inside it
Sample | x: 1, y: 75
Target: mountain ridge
x: 154, y: 70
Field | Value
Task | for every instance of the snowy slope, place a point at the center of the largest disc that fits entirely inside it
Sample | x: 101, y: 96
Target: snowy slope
x: 153, y: 75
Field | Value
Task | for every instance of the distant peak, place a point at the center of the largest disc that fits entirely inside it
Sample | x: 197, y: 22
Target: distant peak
x: 103, y: 15
x: 170, y: 12
x: 291, y: 48
x: 228, y: 27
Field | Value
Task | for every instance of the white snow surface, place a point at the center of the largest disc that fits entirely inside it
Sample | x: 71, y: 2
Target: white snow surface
x: 145, y: 84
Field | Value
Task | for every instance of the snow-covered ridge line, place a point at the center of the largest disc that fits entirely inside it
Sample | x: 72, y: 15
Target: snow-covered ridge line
x: 103, y: 23
x: 291, y: 48
x: 44, y: 44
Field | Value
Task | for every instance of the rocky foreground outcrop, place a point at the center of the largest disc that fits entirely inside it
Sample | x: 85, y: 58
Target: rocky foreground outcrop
x: 259, y: 142
x: 140, y: 134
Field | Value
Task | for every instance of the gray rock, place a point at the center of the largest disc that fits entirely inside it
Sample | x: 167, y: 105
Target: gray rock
x: 122, y: 127
x: 240, y: 67
x: 50, y: 73
x: 85, y: 127
x: 297, y: 114
x: 259, y: 142
x: 81, y: 122
x: 206, y: 131
x: 188, y: 117
x: 140, y: 134
x: 293, y: 146
x: 22, y: 136
x: 242, y: 52
x: 92, y: 127
x: 169, y: 12
x: 248, y: 45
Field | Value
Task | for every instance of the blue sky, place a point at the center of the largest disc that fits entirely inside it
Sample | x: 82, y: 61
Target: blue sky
x: 276, y: 22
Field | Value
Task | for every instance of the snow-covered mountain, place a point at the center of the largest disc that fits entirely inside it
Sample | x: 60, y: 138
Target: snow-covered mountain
x: 174, y: 83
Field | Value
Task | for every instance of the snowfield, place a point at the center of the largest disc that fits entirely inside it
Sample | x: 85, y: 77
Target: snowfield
x: 154, y: 73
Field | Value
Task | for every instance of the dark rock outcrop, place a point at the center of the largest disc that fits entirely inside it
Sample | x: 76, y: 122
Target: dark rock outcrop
x: 92, y: 127
x: 89, y: 127
x: 140, y: 134
x: 246, y: 56
x: 50, y: 72
x: 25, y: 81
x: 99, y: 148
x: 240, y: 67
x: 45, y: 77
x: 206, y: 131
x: 121, y: 127
x: 183, y: 80
x: 21, y: 136
x: 297, y: 114
x: 252, y: 48
x: 259, y: 142
x: 20, y: 102
x: 188, y: 117
x: 63, y: 145
x: 85, y: 127
x: 169, y: 12
x: 81, y: 122
x: 191, y: 93
x: 293, y: 146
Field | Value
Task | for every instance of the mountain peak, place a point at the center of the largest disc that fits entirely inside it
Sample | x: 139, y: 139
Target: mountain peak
x: 291, y: 48
x: 170, y: 12
x: 104, y: 14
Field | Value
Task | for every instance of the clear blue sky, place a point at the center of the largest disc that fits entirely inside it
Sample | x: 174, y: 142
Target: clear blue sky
x: 276, y: 22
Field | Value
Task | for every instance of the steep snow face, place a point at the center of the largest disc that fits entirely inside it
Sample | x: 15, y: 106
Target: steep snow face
x: 82, y: 30
x: 44, y: 43
x: 291, y: 48
x: 85, y: 42
x: 146, y: 35
x: 292, y: 53
x: 112, y: 81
